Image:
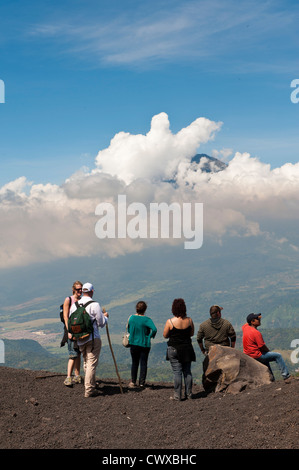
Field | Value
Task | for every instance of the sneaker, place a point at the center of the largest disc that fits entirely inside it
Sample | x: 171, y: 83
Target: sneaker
x: 68, y: 382
x: 77, y: 379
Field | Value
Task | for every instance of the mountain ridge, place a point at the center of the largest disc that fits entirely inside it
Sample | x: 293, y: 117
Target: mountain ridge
x: 242, y: 275
x: 208, y: 164
x: 30, y: 354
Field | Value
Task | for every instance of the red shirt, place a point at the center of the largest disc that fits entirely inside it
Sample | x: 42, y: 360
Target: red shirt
x: 252, y: 341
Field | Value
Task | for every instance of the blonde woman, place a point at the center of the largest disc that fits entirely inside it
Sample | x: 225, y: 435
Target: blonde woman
x: 74, y: 362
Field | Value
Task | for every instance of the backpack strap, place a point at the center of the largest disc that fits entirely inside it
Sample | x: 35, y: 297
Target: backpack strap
x: 83, y: 305
x: 128, y: 323
x: 87, y: 303
x: 70, y: 299
x: 92, y: 334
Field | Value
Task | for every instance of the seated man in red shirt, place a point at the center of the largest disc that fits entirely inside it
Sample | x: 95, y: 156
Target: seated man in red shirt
x: 254, y: 346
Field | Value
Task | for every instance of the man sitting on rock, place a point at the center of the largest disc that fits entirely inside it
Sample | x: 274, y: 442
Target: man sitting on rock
x: 215, y: 330
x: 254, y: 346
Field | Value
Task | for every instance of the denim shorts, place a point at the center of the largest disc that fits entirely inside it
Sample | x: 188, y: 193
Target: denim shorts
x: 73, y: 349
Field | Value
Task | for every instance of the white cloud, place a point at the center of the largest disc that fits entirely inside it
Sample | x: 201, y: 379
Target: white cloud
x: 41, y: 222
x: 157, y: 154
x: 222, y: 154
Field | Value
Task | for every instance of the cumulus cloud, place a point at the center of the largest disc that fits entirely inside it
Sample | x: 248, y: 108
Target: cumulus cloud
x: 222, y: 154
x: 41, y: 222
x: 157, y: 154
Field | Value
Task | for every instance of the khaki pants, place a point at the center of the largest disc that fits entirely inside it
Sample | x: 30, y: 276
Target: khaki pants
x: 90, y: 358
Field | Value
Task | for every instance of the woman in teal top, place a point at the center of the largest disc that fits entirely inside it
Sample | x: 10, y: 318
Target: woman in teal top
x: 141, y: 329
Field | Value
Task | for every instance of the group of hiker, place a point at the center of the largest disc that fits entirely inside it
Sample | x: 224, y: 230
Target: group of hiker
x: 141, y: 329
x: 90, y: 345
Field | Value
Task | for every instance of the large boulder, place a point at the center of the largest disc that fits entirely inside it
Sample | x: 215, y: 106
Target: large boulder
x: 228, y: 369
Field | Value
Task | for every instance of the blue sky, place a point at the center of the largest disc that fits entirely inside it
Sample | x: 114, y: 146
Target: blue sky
x: 109, y: 98
x: 78, y: 72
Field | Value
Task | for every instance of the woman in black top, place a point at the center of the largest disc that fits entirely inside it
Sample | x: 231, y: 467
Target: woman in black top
x: 180, y: 351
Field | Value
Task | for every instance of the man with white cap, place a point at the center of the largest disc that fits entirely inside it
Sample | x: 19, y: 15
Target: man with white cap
x: 90, y: 347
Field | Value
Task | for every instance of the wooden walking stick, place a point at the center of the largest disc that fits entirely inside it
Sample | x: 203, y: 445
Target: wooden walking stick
x: 110, y: 345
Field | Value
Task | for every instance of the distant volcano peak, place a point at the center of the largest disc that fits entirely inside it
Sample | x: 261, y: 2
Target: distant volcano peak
x: 208, y: 164
x: 204, y: 163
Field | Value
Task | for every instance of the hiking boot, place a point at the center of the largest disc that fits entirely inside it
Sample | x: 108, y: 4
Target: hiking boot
x: 175, y: 398
x: 95, y: 393
x: 68, y: 382
x: 77, y: 379
x: 289, y: 379
x: 132, y: 385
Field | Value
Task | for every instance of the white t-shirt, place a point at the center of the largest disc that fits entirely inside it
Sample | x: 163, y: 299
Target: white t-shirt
x: 95, y: 312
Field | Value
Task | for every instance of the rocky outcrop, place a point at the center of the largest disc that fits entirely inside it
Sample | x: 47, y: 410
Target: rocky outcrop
x: 228, y: 369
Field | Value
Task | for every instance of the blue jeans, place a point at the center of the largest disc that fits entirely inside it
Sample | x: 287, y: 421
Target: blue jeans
x: 139, y: 357
x: 270, y: 356
x: 179, y: 370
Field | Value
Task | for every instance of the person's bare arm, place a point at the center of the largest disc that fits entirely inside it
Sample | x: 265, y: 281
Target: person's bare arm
x: 66, y: 309
x: 167, y: 329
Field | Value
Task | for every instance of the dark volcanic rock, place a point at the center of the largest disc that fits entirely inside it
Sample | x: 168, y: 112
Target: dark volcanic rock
x: 231, y: 370
x: 263, y: 418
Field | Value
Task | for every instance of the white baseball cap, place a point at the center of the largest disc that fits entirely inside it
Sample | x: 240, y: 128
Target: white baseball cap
x: 87, y: 287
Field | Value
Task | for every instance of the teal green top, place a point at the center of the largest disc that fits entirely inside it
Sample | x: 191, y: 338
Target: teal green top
x: 141, y: 329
